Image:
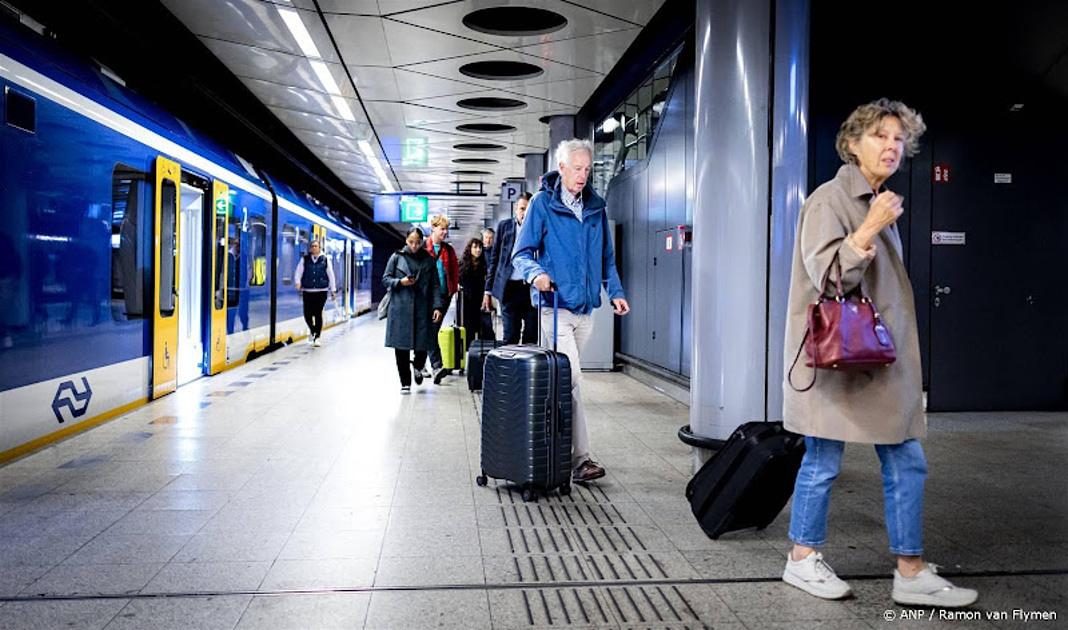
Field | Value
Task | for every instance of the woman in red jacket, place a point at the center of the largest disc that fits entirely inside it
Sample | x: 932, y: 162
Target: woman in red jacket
x: 449, y: 277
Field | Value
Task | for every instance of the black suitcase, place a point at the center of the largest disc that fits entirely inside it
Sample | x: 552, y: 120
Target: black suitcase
x: 748, y: 481
x: 476, y: 357
x: 526, y: 418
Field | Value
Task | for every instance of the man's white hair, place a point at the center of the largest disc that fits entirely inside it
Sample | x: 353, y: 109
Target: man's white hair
x: 567, y: 147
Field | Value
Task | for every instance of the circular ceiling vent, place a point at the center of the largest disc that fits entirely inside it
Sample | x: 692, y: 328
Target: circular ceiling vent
x: 491, y: 104
x: 485, y: 128
x: 514, y: 21
x: 500, y: 70
x: 476, y: 161
x: 467, y: 172
x: 479, y: 146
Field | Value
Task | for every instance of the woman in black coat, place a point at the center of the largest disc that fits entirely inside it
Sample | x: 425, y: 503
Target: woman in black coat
x: 473, y: 284
x: 415, y: 304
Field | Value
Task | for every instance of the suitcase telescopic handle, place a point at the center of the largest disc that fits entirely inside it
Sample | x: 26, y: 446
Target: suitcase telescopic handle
x: 556, y: 311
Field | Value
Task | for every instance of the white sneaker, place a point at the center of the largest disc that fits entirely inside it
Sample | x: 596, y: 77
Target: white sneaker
x: 311, y: 340
x: 405, y: 389
x: 317, y: 343
x: 926, y: 588
x: 814, y: 576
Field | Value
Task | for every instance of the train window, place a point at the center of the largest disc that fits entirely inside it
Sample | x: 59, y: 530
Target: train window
x: 129, y: 195
x: 234, y: 285
x: 168, y: 247
x: 303, y: 241
x: 258, y: 251
x: 287, y: 258
x: 20, y: 111
x: 220, y: 258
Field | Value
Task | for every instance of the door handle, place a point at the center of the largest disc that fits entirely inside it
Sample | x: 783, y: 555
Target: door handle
x: 939, y: 290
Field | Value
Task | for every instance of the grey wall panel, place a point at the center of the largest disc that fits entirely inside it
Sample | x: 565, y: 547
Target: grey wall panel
x: 658, y: 189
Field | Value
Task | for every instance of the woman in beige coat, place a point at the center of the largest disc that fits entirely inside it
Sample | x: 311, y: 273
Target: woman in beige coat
x: 853, y: 217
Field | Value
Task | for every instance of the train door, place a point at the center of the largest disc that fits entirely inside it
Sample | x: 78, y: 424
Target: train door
x: 221, y: 206
x: 165, y: 263
x: 190, y: 289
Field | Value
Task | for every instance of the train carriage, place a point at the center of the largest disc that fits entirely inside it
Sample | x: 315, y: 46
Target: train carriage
x: 135, y: 255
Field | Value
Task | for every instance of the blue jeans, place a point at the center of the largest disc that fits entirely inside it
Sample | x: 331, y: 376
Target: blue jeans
x: 904, y: 472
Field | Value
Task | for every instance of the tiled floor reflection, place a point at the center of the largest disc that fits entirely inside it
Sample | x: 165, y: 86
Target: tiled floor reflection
x: 303, y: 491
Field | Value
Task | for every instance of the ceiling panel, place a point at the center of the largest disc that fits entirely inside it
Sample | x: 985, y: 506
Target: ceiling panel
x: 361, y: 40
x: 448, y: 18
x: 404, y: 57
x: 248, y: 22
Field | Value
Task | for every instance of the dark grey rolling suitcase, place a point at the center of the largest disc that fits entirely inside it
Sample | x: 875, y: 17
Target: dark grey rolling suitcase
x: 748, y: 481
x: 476, y: 359
x: 526, y: 418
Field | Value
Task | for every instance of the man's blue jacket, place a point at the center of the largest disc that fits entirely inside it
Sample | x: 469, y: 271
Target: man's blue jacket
x: 577, y: 255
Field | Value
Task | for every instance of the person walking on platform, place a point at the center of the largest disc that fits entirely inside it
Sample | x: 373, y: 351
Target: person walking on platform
x: 506, y: 283
x: 472, y: 280
x: 488, y: 236
x: 315, y: 277
x: 416, y: 306
x: 847, y: 228
x: 565, y: 241
x: 448, y: 283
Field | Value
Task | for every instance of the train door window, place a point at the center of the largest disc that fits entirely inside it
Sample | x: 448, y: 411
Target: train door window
x: 233, y: 265
x: 168, y: 246
x: 287, y: 258
x: 258, y: 251
x: 130, y: 190
x: 220, y: 258
x: 20, y: 111
x: 303, y: 241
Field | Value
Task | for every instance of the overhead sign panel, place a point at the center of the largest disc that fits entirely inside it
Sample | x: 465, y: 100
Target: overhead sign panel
x: 414, y: 209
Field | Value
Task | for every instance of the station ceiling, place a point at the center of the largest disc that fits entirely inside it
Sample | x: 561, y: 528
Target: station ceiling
x: 384, y: 92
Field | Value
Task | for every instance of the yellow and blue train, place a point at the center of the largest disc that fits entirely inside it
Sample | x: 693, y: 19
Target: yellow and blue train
x: 135, y: 254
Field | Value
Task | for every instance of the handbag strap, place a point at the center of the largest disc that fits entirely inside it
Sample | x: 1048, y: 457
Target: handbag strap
x: 790, y: 374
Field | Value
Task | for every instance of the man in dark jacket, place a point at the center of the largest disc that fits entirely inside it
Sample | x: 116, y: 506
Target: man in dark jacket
x: 565, y: 241
x: 506, y: 283
x: 315, y: 277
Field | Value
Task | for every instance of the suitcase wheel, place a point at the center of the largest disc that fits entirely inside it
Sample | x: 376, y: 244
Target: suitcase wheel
x: 529, y: 495
x: 481, y: 480
x: 565, y: 489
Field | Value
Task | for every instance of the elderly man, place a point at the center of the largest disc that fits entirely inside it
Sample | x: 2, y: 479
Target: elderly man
x: 565, y: 241
x: 487, y: 238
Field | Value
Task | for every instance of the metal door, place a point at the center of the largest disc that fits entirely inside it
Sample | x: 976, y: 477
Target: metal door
x: 165, y: 266
x: 997, y: 263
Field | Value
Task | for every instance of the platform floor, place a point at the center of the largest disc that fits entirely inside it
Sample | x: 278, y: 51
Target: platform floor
x: 302, y: 491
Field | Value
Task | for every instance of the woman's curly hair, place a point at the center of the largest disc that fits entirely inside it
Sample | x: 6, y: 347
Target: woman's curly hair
x: 867, y: 116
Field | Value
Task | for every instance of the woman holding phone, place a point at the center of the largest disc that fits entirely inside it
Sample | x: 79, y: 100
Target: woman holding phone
x: 415, y: 305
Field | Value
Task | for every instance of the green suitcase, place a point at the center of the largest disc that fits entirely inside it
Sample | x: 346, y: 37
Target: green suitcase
x: 452, y: 340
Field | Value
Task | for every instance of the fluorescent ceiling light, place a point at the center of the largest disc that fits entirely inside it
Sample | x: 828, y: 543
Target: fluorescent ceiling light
x: 325, y: 78
x: 343, y: 108
x: 300, y: 32
x: 369, y: 153
x: 609, y: 125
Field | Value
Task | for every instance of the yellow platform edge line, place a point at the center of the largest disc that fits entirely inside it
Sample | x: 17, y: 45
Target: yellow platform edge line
x: 46, y: 440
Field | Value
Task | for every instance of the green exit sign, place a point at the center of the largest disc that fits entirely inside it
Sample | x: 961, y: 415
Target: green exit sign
x: 416, y: 152
x: 414, y: 209
x: 221, y: 206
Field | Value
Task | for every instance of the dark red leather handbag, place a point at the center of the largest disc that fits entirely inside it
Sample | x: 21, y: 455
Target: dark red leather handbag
x: 844, y: 332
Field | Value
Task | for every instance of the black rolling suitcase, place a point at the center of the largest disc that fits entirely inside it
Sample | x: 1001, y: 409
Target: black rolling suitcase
x: 476, y: 357
x: 526, y: 418
x: 746, y: 483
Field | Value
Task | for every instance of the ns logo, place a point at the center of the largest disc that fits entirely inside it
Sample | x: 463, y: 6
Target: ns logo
x: 76, y: 402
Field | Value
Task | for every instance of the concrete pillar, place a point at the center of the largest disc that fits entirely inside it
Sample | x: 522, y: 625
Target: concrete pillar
x: 535, y: 168
x: 735, y: 90
x: 560, y: 128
